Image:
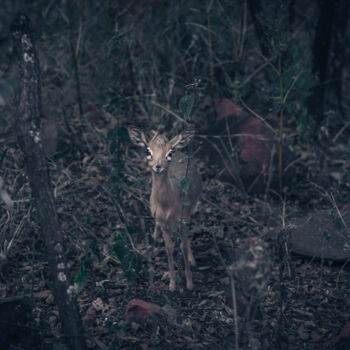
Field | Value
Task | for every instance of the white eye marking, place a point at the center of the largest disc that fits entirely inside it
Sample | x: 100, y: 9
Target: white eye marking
x: 149, y: 153
x: 169, y: 155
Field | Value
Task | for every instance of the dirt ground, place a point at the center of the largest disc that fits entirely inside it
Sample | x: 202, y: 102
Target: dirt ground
x: 294, y: 303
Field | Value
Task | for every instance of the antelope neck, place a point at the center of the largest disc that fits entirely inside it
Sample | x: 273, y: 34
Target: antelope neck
x: 161, y: 186
x: 160, y: 178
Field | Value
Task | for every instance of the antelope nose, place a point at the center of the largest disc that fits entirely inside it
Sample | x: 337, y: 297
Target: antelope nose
x: 158, y: 167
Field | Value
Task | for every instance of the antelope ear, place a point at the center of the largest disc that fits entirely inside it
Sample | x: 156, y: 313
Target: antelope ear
x: 183, y: 139
x: 154, y: 133
x: 137, y: 137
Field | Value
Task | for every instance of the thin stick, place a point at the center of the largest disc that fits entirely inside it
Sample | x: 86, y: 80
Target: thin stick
x: 74, y: 58
x: 335, y: 138
x: 169, y: 111
x: 256, y: 115
x: 233, y: 291
x: 332, y: 200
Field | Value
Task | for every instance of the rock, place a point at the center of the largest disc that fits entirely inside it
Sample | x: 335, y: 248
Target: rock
x: 255, y: 145
x: 142, y: 312
x: 227, y: 108
x: 344, y: 334
x: 254, y: 152
x: 322, y: 235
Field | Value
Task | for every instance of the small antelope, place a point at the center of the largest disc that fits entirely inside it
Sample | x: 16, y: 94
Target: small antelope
x: 170, y: 203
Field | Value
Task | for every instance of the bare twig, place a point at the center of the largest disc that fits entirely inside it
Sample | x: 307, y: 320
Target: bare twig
x: 338, y: 134
x: 169, y: 111
x: 233, y: 294
x: 334, y: 203
x: 74, y: 52
x: 256, y: 115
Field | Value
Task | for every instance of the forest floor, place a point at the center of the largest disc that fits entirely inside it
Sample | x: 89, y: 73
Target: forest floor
x: 299, y: 302
x: 251, y: 291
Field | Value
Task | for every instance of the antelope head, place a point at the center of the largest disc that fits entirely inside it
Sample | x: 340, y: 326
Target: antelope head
x: 159, y: 150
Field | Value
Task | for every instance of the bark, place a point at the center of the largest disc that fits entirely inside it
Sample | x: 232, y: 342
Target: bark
x: 255, y: 9
x: 320, y: 52
x: 29, y: 138
x: 338, y: 57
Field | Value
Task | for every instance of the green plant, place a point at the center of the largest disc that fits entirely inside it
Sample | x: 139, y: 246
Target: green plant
x: 130, y: 259
x: 288, y: 72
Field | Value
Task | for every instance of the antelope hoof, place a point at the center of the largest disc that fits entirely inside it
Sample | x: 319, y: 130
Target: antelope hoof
x: 192, y: 260
x: 189, y: 285
x: 155, y: 234
x: 172, y: 286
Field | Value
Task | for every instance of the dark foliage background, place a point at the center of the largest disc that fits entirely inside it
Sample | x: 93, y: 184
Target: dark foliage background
x: 109, y: 64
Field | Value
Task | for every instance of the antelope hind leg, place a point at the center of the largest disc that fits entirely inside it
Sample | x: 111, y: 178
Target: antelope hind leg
x: 188, y: 256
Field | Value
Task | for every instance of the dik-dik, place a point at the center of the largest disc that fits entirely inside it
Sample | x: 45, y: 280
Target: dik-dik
x: 171, y: 202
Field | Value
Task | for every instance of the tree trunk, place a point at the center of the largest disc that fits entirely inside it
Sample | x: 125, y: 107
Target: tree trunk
x: 255, y: 9
x: 338, y: 57
x: 320, y: 52
x: 29, y: 137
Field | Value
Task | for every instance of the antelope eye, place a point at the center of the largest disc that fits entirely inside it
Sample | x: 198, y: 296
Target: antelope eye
x: 149, y: 155
x: 169, y: 155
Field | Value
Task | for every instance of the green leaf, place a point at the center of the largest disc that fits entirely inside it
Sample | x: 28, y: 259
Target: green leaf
x: 80, y: 280
x: 115, y: 180
x: 114, y: 101
x: 130, y: 259
x: 186, y: 105
x: 220, y: 232
x: 294, y: 51
x: 185, y: 184
x: 337, y: 224
x: 123, y: 134
x: 119, y: 248
x: 176, y: 223
x: 326, y: 235
x: 160, y: 125
x: 112, y: 138
x: 119, y: 135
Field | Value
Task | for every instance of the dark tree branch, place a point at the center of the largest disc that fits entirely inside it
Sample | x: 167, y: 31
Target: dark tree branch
x: 29, y: 137
x: 255, y: 9
x: 320, y: 53
x: 74, y: 57
x: 338, y: 58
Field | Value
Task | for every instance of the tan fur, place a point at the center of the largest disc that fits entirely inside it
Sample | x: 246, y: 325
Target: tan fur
x: 168, y: 205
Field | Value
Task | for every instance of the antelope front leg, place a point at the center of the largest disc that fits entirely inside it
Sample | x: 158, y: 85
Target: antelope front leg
x: 188, y: 256
x: 156, y: 232
x: 191, y: 258
x: 169, y: 246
